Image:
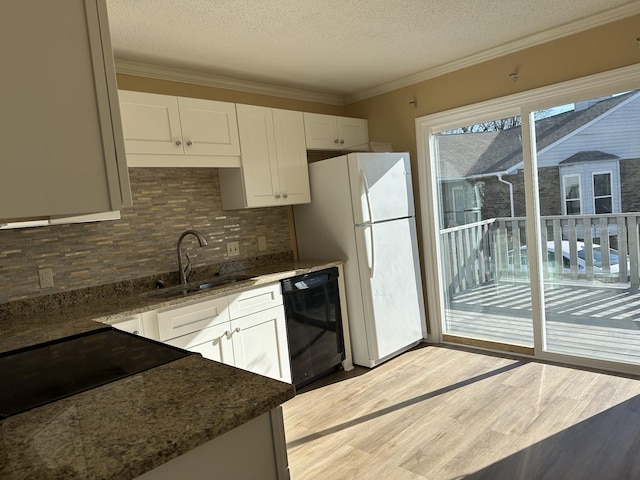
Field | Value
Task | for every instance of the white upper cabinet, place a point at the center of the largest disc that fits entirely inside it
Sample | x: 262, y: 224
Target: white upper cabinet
x: 61, y: 147
x: 168, y: 131
x: 328, y: 132
x: 151, y: 123
x: 274, y: 160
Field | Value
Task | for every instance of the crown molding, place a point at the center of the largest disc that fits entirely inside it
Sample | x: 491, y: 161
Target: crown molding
x: 610, y: 16
x: 140, y: 69
x: 194, y: 77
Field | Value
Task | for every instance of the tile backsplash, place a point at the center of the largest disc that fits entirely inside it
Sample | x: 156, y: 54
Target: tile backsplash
x: 166, y: 201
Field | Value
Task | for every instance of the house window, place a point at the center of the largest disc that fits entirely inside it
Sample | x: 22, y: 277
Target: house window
x: 602, y: 196
x: 572, y: 200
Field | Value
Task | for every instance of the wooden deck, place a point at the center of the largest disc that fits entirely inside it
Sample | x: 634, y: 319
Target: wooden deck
x: 601, y: 321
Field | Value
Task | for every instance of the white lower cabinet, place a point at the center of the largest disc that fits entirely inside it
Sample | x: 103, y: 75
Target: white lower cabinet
x: 191, y: 317
x: 132, y: 324
x: 254, y: 450
x: 260, y: 344
x: 246, y: 330
x: 212, y: 343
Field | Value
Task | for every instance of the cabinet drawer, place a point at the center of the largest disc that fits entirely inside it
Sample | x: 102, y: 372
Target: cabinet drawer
x: 177, y: 321
x: 254, y: 300
x: 215, y: 335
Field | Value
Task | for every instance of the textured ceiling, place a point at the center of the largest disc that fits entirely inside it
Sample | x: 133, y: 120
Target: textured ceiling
x: 332, y: 47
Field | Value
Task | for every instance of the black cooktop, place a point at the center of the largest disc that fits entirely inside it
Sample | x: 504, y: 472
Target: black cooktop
x: 39, y: 374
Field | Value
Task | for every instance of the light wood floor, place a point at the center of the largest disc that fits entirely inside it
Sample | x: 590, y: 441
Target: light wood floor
x: 440, y: 412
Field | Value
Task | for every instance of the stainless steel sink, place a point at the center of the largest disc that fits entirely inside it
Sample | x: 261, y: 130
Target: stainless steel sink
x: 190, y: 289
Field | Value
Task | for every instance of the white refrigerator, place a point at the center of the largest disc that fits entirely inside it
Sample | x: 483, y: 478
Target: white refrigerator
x: 362, y: 211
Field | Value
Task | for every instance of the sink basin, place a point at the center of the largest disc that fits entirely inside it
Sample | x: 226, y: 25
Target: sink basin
x: 170, y: 292
x: 184, y: 290
x: 226, y: 280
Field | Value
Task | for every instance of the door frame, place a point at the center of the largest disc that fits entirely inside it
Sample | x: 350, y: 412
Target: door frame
x: 523, y: 104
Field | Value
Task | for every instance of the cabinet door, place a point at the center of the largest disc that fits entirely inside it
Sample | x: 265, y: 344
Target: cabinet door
x: 61, y: 148
x: 259, y: 163
x: 208, y: 127
x: 321, y: 132
x: 291, y: 153
x: 353, y: 133
x: 212, y: 342
x: 151, y: 123
x: 260, y: 344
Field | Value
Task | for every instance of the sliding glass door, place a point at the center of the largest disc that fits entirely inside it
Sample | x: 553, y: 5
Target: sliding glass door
x: 534, y: 219
x: 588, y: 167
x: 482, y: 234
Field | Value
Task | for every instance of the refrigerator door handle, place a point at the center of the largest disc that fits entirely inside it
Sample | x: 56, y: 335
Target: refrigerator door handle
x: 365, y: 186
x: 372, y: 263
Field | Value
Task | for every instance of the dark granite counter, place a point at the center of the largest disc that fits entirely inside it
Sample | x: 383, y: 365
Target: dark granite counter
x: 125, y: 428
x: 27, y: 323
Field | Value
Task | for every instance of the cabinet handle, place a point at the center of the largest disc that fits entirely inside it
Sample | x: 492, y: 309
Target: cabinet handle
x: 277, y: 195
x: 178, y: 142
x: 136, y: 332
x: 336, y: 141
x: 341, y: 142
x: 284, y: 195
x: 226, y: 334
x: 236, y: 330
x: 189, y: 143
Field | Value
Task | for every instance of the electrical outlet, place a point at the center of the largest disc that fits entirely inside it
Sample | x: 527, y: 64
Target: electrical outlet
x: 46, y: 277
x: 233, y: 249
x: 262, y: 243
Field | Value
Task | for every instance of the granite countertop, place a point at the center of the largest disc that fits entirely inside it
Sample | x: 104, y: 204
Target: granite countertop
x: 26, y: 325
x: 130, y: 426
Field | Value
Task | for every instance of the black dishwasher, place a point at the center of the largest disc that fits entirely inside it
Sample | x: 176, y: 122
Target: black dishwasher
x: 314, y: 325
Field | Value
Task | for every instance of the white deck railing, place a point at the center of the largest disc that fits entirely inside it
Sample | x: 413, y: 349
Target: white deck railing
x: 495, y: 249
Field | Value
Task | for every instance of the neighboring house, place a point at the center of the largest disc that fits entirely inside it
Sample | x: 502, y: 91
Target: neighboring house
x: 588, y: 163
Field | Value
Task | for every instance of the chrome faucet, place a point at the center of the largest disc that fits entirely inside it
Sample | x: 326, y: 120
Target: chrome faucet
x: 186, y: 271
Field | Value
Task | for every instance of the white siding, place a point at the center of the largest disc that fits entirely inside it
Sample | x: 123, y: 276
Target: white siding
x: 616, y: 132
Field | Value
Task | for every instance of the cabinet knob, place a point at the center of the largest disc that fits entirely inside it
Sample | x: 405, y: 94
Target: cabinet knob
x: 178, y: 142
x: 341, y: 142
x: 284, y: 195
x: 336, y: 141
x: 136, y: 332
x: 189, y: 143
x: 236, y: 330
x: 277, y: 195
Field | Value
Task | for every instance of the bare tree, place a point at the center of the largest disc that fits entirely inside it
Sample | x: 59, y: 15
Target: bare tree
x: 498, y: 124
